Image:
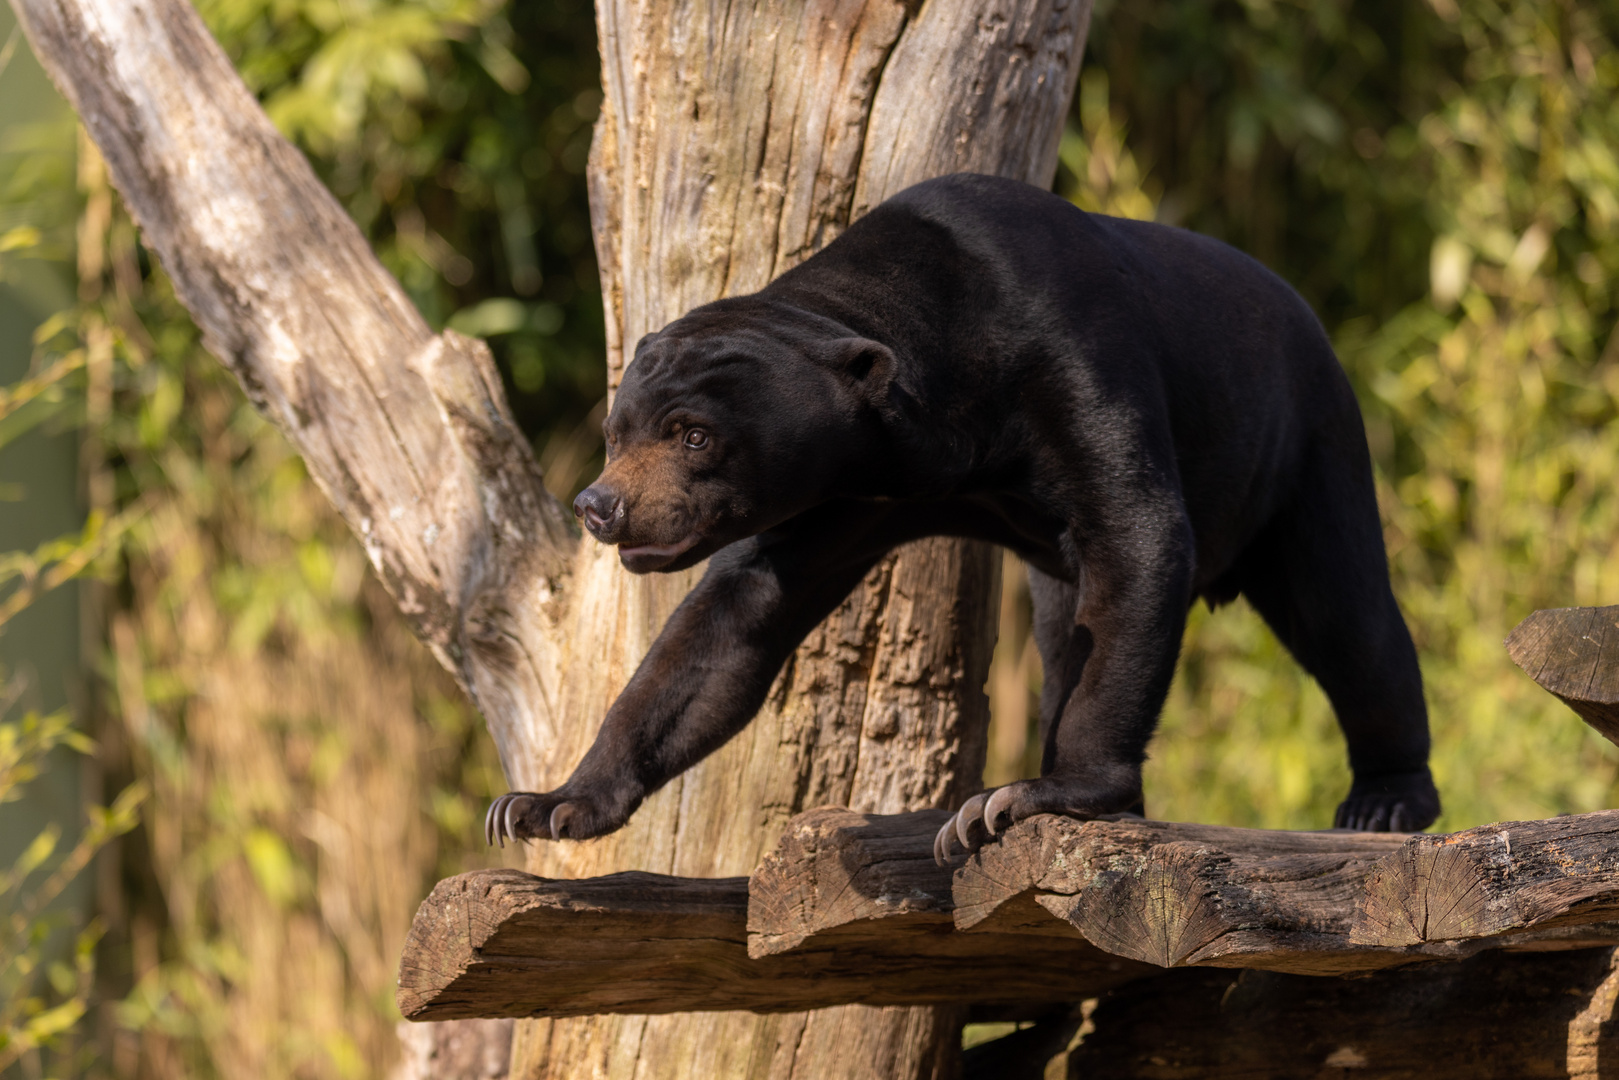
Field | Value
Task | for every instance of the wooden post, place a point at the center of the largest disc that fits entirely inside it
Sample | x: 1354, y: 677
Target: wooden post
x: 734, y: 142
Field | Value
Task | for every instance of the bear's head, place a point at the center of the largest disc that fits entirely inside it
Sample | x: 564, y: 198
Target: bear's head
x: 729, y: 421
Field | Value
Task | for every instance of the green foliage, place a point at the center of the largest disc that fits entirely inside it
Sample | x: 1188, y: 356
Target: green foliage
x: 290, y: 729
x: 38, y: 206
x: 456, y: 133
x: 42, y: 999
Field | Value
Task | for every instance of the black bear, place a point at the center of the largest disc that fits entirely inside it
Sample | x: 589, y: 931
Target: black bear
x: 1145, y: 415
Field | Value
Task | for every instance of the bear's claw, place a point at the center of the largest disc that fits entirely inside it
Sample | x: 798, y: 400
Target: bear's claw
x: 980, y: 810
x: 987, y: 814
x: 527, y: 815
x: 501, y: 820
x: 1378, y: 817
x: 1400, y: 803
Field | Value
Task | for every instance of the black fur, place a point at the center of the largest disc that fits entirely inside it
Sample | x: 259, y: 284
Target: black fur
x: 1144, y: 414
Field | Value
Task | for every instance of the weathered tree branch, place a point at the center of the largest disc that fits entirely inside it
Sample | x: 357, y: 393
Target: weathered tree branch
x: 1574, y: 653
x: 407, y: 432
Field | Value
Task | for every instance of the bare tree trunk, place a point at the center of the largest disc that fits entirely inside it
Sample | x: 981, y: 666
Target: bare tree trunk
x: 735, y: 141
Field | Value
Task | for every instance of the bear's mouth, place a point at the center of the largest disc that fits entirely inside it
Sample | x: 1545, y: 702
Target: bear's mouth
x: 644, y: 558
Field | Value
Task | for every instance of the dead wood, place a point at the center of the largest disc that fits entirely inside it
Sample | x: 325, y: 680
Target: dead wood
x: 1496, y: 880
x: 851, y: 909
x: 501, y: 943
x: 1173, y: 895
x: 1497, y: 1016
x: 1574, y: 653
x: 736, y: 140
x: 1315, y: 903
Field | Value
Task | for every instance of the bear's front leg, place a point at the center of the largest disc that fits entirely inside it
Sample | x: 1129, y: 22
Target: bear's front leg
x: 706, y: 674
x: 1111, y: 653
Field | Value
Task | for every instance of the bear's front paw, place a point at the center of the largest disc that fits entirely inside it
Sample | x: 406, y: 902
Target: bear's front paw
x: 1391, y: 802
x: 556, y: 815
x: 986, y: 814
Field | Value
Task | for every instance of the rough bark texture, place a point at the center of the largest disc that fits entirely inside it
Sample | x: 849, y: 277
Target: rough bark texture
x: 850, y: 908
x: 1499, y: 1016
x: 1176, y: 895
x: 455, y: 1050
x: 1324, y: 903
x: 1574, y: 653
x: 499, y: 943
x: 1495, y: 879
x: 734, y: 141
x: 835, y: 868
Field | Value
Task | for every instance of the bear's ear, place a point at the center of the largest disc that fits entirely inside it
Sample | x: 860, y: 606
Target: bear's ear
x: 862, y: 361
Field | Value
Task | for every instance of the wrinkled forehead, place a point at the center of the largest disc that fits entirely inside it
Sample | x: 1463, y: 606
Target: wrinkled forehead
x: 696, y: 367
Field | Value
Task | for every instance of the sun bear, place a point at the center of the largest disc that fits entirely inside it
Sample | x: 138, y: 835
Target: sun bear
x: 1143, y: 414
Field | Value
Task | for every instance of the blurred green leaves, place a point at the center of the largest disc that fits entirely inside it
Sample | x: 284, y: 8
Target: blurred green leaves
x: 41, y: 999
x: 455, y: 132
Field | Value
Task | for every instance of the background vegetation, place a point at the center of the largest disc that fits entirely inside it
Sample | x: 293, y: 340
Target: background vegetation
x: 1440, y: 180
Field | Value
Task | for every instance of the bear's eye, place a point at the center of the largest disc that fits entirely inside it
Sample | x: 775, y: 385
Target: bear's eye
x: 696, y: 438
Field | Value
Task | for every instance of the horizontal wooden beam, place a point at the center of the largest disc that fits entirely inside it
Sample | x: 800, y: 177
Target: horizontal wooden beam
x: 1309, y: 903
x: 498, y: 943
x: 850, y: 909
x: 1176, y: 895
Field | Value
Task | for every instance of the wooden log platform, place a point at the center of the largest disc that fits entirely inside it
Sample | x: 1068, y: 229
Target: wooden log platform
x: 499, y: 943
x: 850, y: 908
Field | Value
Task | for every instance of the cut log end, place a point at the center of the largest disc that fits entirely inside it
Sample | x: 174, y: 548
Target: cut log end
x: 1506, y: 878
x: 834, y: 867
x: 1574, y: 654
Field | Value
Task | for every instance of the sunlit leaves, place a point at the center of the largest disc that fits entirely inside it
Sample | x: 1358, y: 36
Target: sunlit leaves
x: 41, y: 999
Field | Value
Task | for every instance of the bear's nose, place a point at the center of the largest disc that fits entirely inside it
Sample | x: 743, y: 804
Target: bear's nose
x: 600, y: 509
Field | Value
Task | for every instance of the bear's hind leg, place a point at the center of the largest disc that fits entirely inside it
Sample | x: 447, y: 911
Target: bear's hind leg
x: 1319, y: 576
